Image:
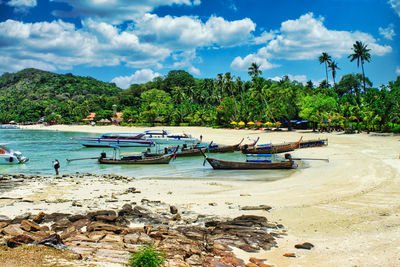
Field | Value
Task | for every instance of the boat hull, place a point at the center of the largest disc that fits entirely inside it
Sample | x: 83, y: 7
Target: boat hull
x: 272, y: 149
x: 173, y: 141
x: 236, y: 165
x: 165, y: 159
x: 106, y: 142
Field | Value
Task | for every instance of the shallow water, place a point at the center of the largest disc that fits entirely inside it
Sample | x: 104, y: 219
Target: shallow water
x: 42, y: 147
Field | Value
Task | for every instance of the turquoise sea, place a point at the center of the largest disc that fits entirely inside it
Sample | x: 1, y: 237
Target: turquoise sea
x: 42, y: 147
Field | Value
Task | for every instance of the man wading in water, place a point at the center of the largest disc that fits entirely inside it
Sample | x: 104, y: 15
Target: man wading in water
x: 56, y: 165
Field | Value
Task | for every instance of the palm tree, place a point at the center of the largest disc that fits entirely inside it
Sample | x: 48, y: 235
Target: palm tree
x: 361, y: 54
x: 254, y: 70
x: 325, y: 58
x: 333, y: 66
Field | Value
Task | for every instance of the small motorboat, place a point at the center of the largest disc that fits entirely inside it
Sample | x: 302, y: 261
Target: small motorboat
x: 9, y: 156
x: 118, y: 139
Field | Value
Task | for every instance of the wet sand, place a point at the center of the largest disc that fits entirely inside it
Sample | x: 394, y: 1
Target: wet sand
x: 348, y: 208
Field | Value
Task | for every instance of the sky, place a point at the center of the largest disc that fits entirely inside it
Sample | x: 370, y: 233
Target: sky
x: 134, y: 41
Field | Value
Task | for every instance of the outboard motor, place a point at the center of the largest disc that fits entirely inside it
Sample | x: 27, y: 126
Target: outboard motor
x: 103, y: 155
x: 288, y: 156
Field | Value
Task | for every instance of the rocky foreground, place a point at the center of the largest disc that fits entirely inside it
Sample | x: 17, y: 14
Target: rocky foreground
x: 109, y: 236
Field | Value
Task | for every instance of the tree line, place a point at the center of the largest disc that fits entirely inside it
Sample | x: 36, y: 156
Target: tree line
x: 180, y: 99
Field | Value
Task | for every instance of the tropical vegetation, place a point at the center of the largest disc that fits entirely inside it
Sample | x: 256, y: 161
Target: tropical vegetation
x: 351, y: 104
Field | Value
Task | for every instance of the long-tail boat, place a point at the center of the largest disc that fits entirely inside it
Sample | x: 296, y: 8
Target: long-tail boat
x: 138, y: 159
x: 184, y: 152
x: 221, y: 149
x: 134, y: 158
x: 219, y: 164
x: 313, y: 143
x: 272, y: 149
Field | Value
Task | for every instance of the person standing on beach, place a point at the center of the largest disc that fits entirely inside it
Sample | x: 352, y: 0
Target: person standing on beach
x: 56, y: 165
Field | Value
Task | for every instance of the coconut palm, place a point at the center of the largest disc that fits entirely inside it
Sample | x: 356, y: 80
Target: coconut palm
x: 325, y: 58
x: 254, y: 70
x: 333, y: 66
x: 361, y: 53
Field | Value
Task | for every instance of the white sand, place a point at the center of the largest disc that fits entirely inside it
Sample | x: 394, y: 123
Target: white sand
x: 348, y: 208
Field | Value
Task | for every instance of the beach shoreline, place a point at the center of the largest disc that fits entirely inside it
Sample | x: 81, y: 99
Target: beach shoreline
x: 348, y: 208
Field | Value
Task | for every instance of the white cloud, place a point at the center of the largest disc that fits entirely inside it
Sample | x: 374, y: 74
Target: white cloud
x: 397, y: 70
x: 395, y: 5
x: 388, y: 32
x: 244, y: 63
x: 194, y: 70
x: 22, y: 3
x: 264, y: 37
x: 140, y: 76
x: 190, y: 32
x: 306, y: 38
x: 61, y: 46
x: 299, y: 78
x: 116, y: 11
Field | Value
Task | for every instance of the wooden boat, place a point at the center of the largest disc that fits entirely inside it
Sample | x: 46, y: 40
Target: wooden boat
x: 218, y: 164
x: 184, y: 152
x: 164, y: 159
x: 314, y: 143
x: 272, y: 149
x: 134, y: 158
x: 221, y: 149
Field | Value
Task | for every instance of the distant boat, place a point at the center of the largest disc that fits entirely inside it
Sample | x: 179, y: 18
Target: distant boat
x: 166, y: 137
x: 9, y: 156
x: 249, y: 164
x: 118, y: 139
x: 8, y: 126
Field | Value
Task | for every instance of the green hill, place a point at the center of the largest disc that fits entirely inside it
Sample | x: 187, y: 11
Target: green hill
x: 31, y: 94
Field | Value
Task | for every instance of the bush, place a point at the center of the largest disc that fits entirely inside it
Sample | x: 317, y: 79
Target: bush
x: 147, y: 256
x: 395, y: 129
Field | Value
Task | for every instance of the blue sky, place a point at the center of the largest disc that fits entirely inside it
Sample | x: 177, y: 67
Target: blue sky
x: 133, y: 41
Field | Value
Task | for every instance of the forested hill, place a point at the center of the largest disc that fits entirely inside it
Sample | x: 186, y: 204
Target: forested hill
x: 180, y: 99
x: 31, y: 93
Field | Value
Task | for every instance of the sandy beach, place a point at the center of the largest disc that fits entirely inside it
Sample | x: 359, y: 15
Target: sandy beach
x: 349, y: 208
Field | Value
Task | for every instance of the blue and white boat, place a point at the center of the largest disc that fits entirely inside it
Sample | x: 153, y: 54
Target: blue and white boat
x: 8, y: 126
x: 165, y: 137
x: 9, y: 156
x: 117, y: 139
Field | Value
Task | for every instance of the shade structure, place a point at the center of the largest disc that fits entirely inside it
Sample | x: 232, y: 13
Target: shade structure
x: 242, y: 123
x: 259, y: 123
x: 250, y: 123
x: 233, y: 122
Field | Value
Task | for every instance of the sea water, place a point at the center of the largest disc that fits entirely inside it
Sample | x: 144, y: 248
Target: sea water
x: 42, y: 147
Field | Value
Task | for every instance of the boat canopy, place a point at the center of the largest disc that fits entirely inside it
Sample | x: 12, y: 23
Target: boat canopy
x: 123, y: 135
x: 157, y: 132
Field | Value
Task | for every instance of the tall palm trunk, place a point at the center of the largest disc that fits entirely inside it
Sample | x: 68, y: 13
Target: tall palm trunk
x: 362, y: 68
x: 326, y: 70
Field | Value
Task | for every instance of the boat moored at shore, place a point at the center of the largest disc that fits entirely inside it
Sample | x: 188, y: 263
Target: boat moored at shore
x: 118, y: 139
x: 166, y: 137
x: 9, y: 156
